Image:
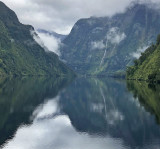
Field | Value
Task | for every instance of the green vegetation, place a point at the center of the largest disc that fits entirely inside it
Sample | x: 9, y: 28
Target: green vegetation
x: 147, y: 67
x: 20, y: 55
x: 148, y: 95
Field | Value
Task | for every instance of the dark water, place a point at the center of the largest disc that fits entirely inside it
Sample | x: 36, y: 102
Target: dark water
x: 82, y: 114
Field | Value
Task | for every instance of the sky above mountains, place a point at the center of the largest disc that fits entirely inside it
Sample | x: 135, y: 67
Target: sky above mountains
x: 60, y: 15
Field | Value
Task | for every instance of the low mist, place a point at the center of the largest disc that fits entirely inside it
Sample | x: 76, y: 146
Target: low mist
x: 137, y: 54
x: 47, y: 41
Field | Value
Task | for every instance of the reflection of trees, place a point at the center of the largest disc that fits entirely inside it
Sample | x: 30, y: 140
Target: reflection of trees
x: 105, y: 107
x: 148, y: 96
x: 18, y: 99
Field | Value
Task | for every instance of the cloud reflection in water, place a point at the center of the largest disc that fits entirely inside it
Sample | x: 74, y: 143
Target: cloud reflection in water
x: 56, y: 132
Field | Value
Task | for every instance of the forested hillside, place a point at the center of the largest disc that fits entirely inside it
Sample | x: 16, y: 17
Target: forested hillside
x: 20, y: 54
x: 147, y: 67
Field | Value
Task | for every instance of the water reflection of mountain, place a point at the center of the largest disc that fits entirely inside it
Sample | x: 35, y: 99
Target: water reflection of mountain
x: 18, y: 99
x: 105, y: 107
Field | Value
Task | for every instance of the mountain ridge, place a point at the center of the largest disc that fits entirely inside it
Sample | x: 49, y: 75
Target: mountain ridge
x: 101, y: 46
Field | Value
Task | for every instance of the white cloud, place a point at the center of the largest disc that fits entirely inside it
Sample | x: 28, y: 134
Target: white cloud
x: 60, y: 15
x: 37, y: 39
x: 137, y: 54
x: 115, y: 36
x: 98, y: 45
x: 50, y: 42
x: 47, y: 41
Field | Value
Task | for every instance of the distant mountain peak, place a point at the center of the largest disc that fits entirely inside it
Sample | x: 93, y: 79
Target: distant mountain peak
x: 7, y: 14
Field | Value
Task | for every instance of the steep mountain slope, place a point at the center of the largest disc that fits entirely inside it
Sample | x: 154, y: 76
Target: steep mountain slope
x: 20, y: 54
x: 51, y: 33
x: 147, y: 67
x: 107, y: 45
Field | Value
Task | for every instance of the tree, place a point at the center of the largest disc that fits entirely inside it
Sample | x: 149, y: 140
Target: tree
x: 158, y: 39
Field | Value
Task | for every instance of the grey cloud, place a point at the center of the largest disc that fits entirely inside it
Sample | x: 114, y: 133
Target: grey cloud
x: 60, y: 15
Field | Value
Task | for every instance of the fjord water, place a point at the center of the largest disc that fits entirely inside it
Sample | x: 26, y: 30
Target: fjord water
x: 89, y: 113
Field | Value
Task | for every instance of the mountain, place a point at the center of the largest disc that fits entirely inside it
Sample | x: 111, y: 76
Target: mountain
x: 20, y: 54
x: 147, y: 67
x: 106, y: 45
x: 51, y: 33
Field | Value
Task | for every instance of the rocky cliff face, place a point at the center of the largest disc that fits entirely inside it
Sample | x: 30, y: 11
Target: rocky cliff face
x: 102, y: 46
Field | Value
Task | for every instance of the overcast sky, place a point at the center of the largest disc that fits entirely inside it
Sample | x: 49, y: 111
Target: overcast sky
x: 60, y: 15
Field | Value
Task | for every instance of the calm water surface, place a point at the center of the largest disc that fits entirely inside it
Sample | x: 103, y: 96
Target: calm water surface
x: 82, y: 114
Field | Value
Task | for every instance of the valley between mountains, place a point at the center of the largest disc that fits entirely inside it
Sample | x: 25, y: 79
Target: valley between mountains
x: 96, y: 46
